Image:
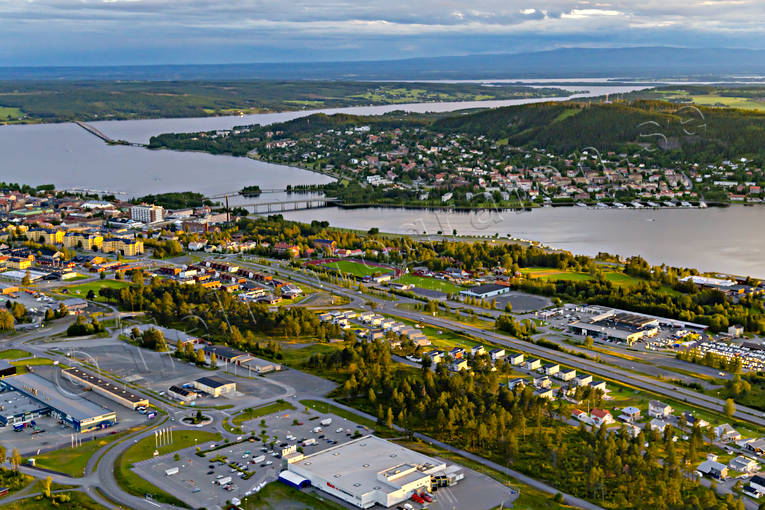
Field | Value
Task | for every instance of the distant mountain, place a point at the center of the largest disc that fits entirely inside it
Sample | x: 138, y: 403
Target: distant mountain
x: 640, y: 62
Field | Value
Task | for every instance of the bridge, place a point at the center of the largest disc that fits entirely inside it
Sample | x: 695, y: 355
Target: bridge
x: 103, y: 136
x: 239, y: 192
x: 289, y: 205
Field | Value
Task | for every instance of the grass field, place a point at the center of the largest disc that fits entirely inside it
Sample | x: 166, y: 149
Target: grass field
x: 278, y: 496
x: 430, y: 283
x: 21, y: 365
x: 9, y: 113
x: 618, y: 279
x: 355, y: 268
x: 144, y: 449
x: 256, y: 412
x: 14, y: 354
x: 81, y: 290
x: 77, y: 499
x: 72, y: 461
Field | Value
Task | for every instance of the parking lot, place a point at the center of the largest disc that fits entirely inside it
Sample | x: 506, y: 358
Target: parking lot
x: 198, y: 480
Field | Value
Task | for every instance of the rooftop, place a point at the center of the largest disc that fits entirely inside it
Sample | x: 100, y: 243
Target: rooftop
x: 214, y: 381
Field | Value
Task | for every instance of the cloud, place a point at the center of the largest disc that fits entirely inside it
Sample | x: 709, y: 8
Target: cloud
x: 71, y: 31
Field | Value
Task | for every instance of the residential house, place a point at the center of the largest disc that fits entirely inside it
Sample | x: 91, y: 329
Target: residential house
x: 757, y: 483
x: 583, y: 379
x: 692, y: 420
x: 459, y: 365
x: 518, y: 381
x: 566, y: 374
x: 714, y: 469
x: 497, y: 354
x: 601, y: 417
x: 551, y: 368
x: 658, y: 409
x: 744, y: 464
x: 544, y: 393
x: 726, y: 433
x: 756, y: 445
x: 580, y: 415
x: 533, y: 364
x: 657, y: 424
x: 630, y: 414
x: 326, y: 245
x: 477, y: 350
x: 598, y: 385
x: 515, y: 359
x: 542, y: 381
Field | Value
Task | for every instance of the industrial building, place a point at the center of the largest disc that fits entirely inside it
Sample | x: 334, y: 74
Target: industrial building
x: 617, y: 327
x: 214, y: 385
x: 6, y: 368
x: 103, y: 387
x: 42, y: 397
x: 485, y: 291
x: 369, y: 471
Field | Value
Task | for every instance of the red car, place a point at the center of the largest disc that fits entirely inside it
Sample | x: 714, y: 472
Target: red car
x: 417, y: 499
x: 427, y: 497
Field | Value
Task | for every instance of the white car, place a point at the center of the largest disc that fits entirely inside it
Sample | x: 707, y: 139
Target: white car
x: 339, y: 429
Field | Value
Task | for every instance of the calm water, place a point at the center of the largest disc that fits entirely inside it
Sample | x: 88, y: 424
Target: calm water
x: 714, y: 239
x: 66, y: 155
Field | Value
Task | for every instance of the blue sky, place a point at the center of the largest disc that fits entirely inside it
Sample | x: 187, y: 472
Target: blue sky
x: 109, y: 32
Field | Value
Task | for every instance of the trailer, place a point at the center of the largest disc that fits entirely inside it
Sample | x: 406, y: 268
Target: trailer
x: 172, y: 471
x: 258, y: 459
x: 309, y: 442
x: 326, y: 421
x: 224, y: 481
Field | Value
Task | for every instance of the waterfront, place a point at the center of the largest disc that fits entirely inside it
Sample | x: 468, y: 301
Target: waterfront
x: 69, y: 157
x: 714, y: 239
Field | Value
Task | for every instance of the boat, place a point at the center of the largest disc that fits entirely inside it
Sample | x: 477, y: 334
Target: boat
x: 636, y: 204
x: 702, y: 205
x: 652, y: 204
x: 581, y: 204
x: 668, y: 203
x: 619, y: 205
x: 685, y: 204
x: 601, y: 205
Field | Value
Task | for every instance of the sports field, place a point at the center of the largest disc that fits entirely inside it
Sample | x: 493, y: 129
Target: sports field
x: 424, y: 282
x: 355, y: 268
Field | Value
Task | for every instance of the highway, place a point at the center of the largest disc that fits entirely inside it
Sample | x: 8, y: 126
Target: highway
x: 607, y: 371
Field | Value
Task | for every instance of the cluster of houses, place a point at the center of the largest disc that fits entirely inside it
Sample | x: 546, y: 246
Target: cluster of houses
x: 377, y: 326
x: 457, y: 357
x: 249, y: 285
x: 420, y: 161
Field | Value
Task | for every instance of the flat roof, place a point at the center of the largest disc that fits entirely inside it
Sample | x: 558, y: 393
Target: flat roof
x: 359, y: 466
x: 16, y: 403
x: 214, y: 381
x: 46, y: 392
x: 105, y: 385
x: 486, y: 288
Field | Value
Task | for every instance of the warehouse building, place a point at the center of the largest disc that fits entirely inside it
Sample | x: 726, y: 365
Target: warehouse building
x: 214, y: 385
x: 369, y: 471
x: 46, y: 399
x: 486, y: 291
x: 103, y: 387
x: 6, y: 368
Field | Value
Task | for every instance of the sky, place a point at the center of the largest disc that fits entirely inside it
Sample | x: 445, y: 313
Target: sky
x: 125, y: 32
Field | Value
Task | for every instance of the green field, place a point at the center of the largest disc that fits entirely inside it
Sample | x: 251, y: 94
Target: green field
x: 256, y: 412
x: 77, y: 499
x: 14, y: 354
x: 144, y: 449
x: 81, y: 290
x: 424, y: 282
x: 9, y: 113
x: 72, y: 461
x: 278, y: 496
x: 355, y: 268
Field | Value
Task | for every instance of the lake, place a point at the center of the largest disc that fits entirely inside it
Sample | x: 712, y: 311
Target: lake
x: 715, y: 239
x: 69, y: 157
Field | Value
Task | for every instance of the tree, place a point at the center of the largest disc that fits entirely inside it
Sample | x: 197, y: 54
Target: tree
x: 15, y: 459
x: 213, y: 360
x: 588, y: 342
x: 7, y: 322
x: 730, y: 408
x: 102, y: 275
x: 91, y: 295
x: 27, y: 280
x: 3, y: 454
x: 508, y: 307
x: 201, y: 357
x: 46, y: 486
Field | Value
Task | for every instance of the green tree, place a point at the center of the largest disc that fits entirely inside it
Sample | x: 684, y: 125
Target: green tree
x: 730, y: 408
x: 7, y: 322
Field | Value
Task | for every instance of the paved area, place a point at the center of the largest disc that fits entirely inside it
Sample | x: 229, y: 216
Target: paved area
x: 522, y: 302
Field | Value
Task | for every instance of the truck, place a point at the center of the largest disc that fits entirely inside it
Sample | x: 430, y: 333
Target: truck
x: 309, y: 442
x: 259, y: 458
x: 171, y: 471
x: 316, y: 430
x: 326, y: 421
x: 224, y: 481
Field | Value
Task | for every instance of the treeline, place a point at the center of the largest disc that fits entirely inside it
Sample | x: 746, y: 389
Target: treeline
x: 218, y: 316
x: 174, y: 200
x: 517, y: 429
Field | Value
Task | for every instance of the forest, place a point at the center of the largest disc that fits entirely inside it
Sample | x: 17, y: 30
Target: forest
x: 65, y: 101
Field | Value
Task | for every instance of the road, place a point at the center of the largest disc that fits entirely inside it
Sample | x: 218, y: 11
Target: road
x: 613, y: 367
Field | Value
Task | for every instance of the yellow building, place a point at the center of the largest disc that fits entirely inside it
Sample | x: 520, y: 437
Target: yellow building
x: 46, y: 236
x: 19, y: 263
x: 84, y: 240
x: 129, y: 247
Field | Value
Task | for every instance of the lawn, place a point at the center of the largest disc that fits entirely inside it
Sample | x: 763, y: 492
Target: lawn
x: 82, y: 289
x: 356, y: 268
x: 278, y: 496
x: 424, y: 282
x: 144, y: 449
x: 14, y: 354
x: 72, y: 461
x: 21, y: 365
x: 10, y: 113
x: 77, y: 499
x: 256, y: 412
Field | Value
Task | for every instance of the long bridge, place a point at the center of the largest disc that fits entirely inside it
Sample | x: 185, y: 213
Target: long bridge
x: 103, y: 136
x: 289, y: 205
